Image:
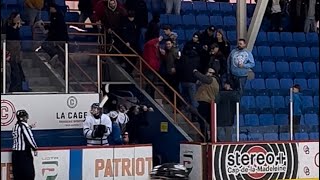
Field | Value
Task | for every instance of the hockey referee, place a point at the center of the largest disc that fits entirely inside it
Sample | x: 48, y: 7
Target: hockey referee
x: 23, y: 142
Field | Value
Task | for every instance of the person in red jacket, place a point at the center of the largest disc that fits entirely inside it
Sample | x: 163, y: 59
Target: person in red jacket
x: 151, y: 54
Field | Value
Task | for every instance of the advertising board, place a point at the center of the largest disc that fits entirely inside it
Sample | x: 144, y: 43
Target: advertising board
x: 49, y: 111
x: 255, y: 161
x: 308, y: 160
x: 191, y: 158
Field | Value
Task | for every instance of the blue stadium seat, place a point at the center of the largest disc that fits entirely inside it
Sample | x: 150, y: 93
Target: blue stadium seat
x: 258, y: 84
x: 263, y: 102
x: 304, y: 53
x: 311, y: 119
x: 270, y: 137
x: 255, y: 137
x: 286, y: 83
x: 186, y: 7
x: 291, y: 52
x: 214, y: 8
x: 241, y: 120
x: 315, y: 53
x: 266, y: 119
x: 296, y: 67
x: 318, y: 67
x: 268, y: 67
x: 216, y: 21
x: 273, y: 38
x: 277, y: 102
x: 314, y: 136
x: 284, y: 136
x: 189, y: 20
x: 181, y: 35
x: 203, y: 21
x: 200, y: 6
x: 262, y: 38
x: 302, y: 82
x: 229, y: 22
x: 164, y: 19
x: 277, y: 51
x: 248, y: 102
x: 232, y: 36
x: 272, y: 83
x: 286, y: 37
x: 174, y: 20
x: 312, y: 38
x: 264, y: 51
x: 316, y: 102
x: 72, y: 17
x: 301, y: 136
x: 299, y: 38
x: 309, y: 67
x: 251, y: 120
x: 226, y: 8
x: 189, y: 33
x: 254, y: 51
x: 242, y: 137
x: 281, y: 119
x: 257, y: 67
x: 313, y: 84
x: 307, y: 102
x: 26, y: 32
x: 282, y: 66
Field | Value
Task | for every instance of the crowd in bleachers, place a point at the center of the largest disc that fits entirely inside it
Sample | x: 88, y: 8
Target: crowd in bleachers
x: 201, y: 35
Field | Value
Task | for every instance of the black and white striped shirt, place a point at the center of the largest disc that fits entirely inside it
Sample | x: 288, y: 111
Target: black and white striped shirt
x: 23, y: 138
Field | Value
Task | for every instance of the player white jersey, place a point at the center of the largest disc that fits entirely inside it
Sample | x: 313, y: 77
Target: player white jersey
x: 90, y: 128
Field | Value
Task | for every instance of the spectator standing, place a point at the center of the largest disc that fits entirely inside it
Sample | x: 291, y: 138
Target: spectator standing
x: 97, y: 127
x: 169, y: 34
x: 297, y: 104
x: 207, y: 37
x: 194, y: 44
x: 173, y: 5
x: 217, y: 60
x: 32, y: 9
x: 151, y: 54
x: 297, y: 14
x: 130, y: 31
x: 223, y: 42
x: 310, y: 21
x: 169, y: 61
x: 23, y: 143
x: 206, y: 93
x: 240, y: 62
x: 153, y: 30
x: 115, y: 137
x: 276, y: 7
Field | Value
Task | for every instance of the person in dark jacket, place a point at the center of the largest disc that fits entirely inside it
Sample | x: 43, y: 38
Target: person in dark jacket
x: 223, y: 42
x: 130, y: 31
x: 217, y: 60
x: 207, y: 37
x: 153, y: 29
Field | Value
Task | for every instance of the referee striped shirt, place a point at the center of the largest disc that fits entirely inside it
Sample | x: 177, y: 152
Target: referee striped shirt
x: 23, y: 138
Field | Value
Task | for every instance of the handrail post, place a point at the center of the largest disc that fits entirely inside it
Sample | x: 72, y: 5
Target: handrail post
x: 4, y: 70
x: 213, y: 128
x: 175, y: 106
x: 291, y: 114
x: 140, y: 72
x: 66, y: 73
x: 98, y: 74
x: 238, y: 121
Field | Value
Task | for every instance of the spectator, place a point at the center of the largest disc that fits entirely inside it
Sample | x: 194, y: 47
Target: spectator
x: 173, y: 5
x: 276, y: 7
x: 86, y: 11
x: 240, y: 62
x: 153, y: 30
x: 125, y: 138
x: 115, y: 136
x: 217, y: 61
x: 297, y: 104
x: 310, y: 21
x: 297, y: 14
x: 207, y: 37
x: 152, y: 56
x: 169, y: 34
x: 206, y: 93
x: 32, y: 9
x: 194, y: 44
x: 169, y: 58
x: 17, y: 76
x: 223, y: 42
x: 130, y: 31
x: 189, y: 61
x: 122, y: 118
x: 97, y: 126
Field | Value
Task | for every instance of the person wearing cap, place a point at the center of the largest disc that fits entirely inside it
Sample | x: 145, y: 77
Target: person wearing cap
x: 207, y: 37
x: 169, y: 34
x: 240, y: 64
x: 297, y: 104
x: 206, y: 93
x: 97, y: 126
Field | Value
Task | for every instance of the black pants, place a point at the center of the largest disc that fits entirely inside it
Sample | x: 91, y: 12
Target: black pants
x: 172, y: 81
x: 22, y: 165
x: 276, y: 21
x: 204, y: 110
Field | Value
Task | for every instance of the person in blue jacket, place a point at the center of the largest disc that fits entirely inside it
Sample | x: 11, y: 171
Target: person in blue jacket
x: 240, y: 64
x: 115, y: 137
x: 297, y: 104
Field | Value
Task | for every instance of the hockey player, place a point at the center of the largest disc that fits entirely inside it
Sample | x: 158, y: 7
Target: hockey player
x: 97, y: 126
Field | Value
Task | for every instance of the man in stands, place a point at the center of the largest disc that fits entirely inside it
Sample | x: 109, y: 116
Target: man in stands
x: 207, y: 37
x: 240, y: 64
x: 169, y: 34
x: 97, y: 127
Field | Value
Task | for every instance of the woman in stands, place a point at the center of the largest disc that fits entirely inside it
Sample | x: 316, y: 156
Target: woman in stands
x: 223, y: 42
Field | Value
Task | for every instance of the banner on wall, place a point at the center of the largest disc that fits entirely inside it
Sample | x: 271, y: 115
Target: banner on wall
x: 49, y: 111
x: 191, y: 158
x: 120, y: 163
x: 255, y: 161
x: 308, y: 160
